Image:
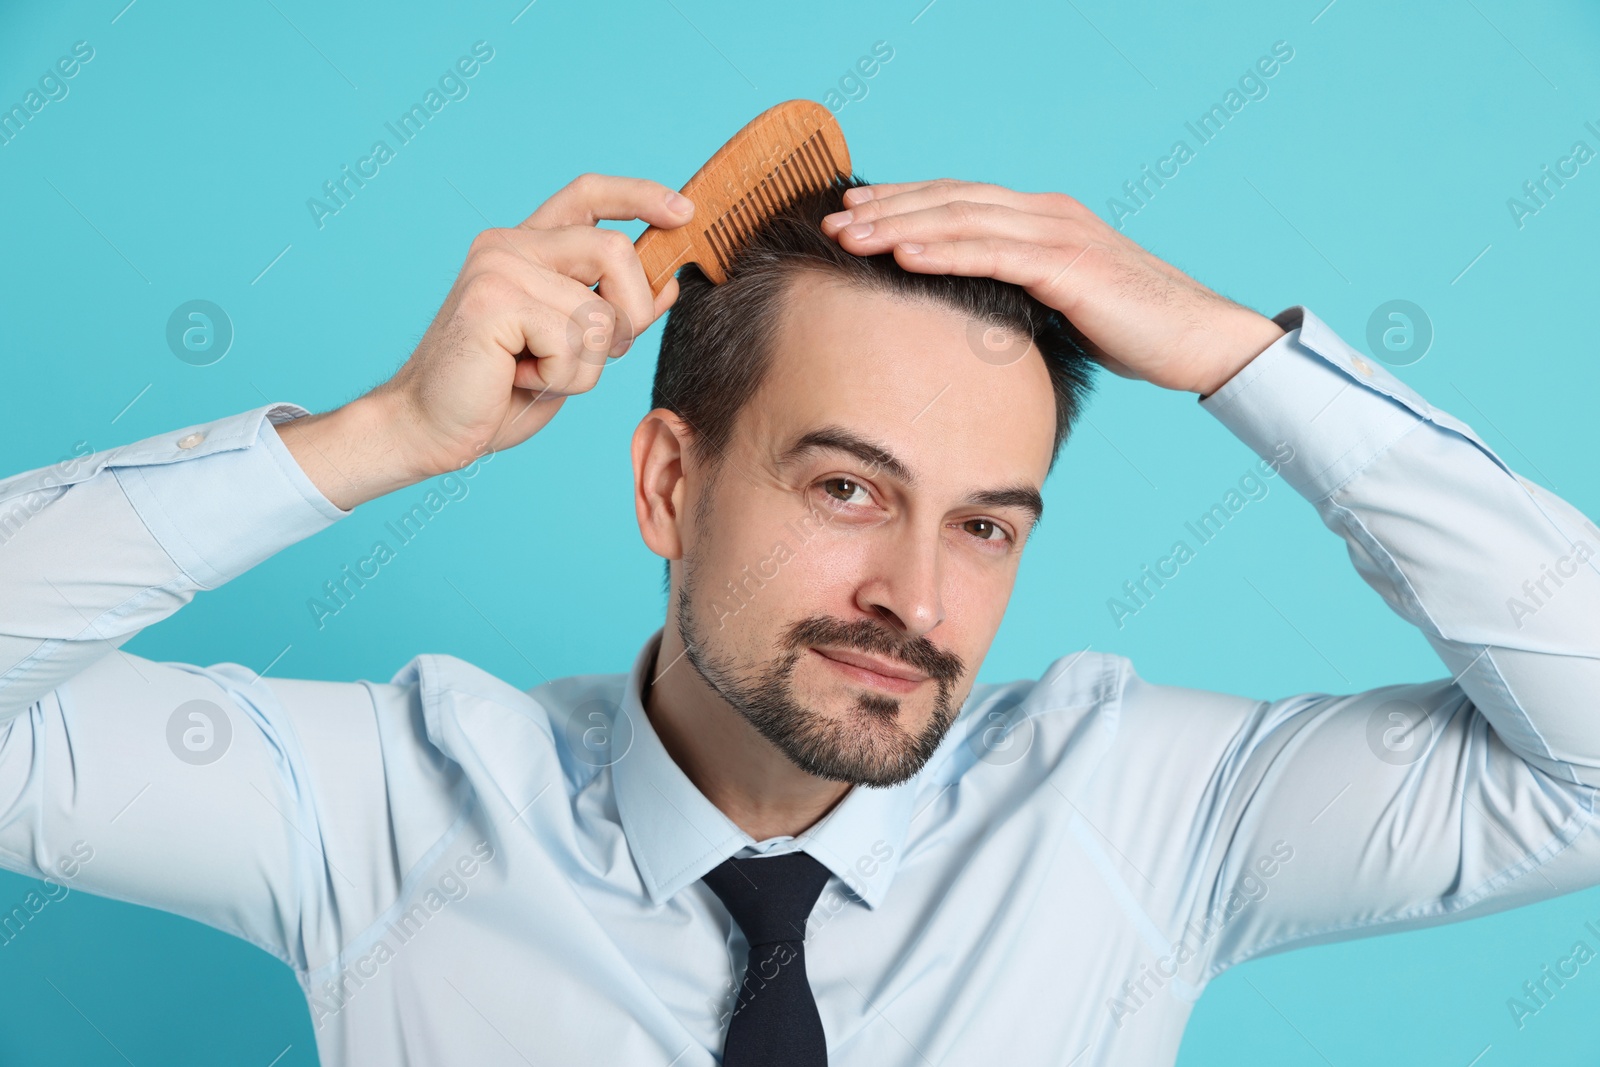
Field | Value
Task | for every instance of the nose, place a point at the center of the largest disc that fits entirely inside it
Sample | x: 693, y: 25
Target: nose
x: 903, y: 588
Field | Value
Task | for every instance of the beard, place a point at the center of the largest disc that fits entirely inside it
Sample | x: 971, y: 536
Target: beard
x: 866, y: 745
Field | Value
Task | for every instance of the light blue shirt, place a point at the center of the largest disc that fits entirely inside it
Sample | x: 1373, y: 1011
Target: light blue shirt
x: 461, y: 872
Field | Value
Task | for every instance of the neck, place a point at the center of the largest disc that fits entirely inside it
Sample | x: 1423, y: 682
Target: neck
x: 742, y: 773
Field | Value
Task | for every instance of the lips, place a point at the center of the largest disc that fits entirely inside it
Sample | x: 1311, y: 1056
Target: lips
x: 871, y: 670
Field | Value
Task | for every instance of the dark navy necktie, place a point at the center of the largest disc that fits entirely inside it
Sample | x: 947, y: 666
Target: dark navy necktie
x: 775, y: 1022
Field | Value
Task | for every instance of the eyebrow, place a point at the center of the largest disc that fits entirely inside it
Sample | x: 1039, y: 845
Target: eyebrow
x: 1025, y: 497
x: 838, y: 439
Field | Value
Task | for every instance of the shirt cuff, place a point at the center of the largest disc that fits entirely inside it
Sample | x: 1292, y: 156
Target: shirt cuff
x: 1319, y: 409
x: 222, y: 496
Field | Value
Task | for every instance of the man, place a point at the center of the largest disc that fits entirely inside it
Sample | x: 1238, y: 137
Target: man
x: 797, y: 831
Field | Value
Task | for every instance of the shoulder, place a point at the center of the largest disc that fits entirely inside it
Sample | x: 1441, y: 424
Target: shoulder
x: 1094, y: 704
x: 481, y: 721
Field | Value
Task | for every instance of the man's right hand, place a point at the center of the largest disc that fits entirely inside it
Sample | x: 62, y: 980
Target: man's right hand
x: 520, y: 331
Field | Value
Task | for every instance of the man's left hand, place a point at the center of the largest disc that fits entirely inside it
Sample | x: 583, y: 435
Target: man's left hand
x: 1140, y: 317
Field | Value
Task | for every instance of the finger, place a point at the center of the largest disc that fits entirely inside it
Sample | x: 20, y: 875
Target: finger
x: 922, y: 195
x: 591, y: 197
x: 954, y: 221
x: 606, y: 259
x: 543, y: 327
x: 667, y: 297
x: 549, y: 361
x: 905, y: 197
x: 1053, y: 277
x: 863, y: 193
x: 530, y: 376
x: 595, y: 256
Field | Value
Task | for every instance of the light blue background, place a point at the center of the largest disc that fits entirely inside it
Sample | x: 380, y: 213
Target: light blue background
x: 1378, y: 167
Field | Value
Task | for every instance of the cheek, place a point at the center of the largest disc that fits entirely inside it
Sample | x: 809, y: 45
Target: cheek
x: 809, y: 569
x: 975, y: 596
x: 769, y: 564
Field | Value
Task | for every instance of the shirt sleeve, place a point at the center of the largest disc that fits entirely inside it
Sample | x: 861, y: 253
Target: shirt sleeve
x: 96, y: 548
x: 1413, y: 804
x: 255, y: 805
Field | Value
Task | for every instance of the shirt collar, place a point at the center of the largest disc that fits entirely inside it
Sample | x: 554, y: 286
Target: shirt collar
x: 677, y: 835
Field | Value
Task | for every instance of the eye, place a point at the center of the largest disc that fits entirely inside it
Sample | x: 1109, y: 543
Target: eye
x: 846, y: 491
x: 985, y: 530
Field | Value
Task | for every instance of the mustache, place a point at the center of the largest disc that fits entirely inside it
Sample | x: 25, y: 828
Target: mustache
x: 863, y: 635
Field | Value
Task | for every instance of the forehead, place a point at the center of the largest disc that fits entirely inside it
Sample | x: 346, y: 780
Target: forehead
x: 904, y: 372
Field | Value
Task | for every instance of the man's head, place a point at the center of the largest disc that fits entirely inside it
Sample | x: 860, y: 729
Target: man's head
x: 842, y: 464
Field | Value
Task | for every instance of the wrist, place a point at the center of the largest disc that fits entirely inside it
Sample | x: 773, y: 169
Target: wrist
x: 1252, y: 335
x: 354, y: 453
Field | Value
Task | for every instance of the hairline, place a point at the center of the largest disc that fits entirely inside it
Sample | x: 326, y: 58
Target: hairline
x: 788, y: 272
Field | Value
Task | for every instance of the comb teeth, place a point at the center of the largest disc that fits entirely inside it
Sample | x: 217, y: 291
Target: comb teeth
x: 809, y: 168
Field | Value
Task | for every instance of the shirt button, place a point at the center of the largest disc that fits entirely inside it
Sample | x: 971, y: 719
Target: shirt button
x: 1362, y: 365
x: 190, y: 440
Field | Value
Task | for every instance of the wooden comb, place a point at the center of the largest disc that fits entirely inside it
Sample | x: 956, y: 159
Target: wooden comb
x: 787, y: 150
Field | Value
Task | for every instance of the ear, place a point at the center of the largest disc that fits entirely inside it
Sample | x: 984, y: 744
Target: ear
x: 660, y: 442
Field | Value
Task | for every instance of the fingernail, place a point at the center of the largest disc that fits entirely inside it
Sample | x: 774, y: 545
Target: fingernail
x: 860, y: 229
x: 859, y: 194
x: 912, y: 248
x: 838, y: 218
x: 678, y: 203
